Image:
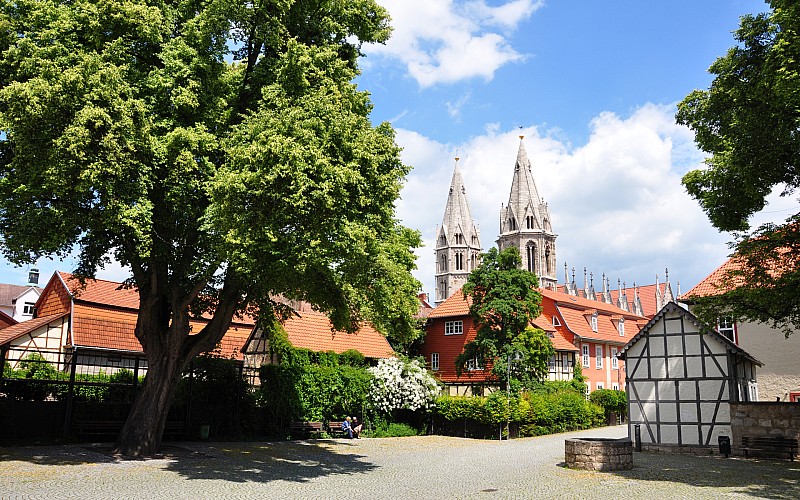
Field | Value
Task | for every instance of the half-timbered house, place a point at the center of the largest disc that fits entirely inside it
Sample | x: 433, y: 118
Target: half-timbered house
x: 681, y: 379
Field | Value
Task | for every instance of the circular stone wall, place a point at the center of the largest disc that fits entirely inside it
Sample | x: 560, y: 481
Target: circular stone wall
x: 598, y: 454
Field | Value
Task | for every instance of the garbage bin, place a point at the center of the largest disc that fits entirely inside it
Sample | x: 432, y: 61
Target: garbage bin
x: 205, y: 429
x: 613, y: 418
x: 724, y: 445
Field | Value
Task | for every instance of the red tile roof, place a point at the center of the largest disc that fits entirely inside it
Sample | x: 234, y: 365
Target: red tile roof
x: 455, y: 305
x: 313, y: 330
x: 558, y: 340
x: 109, y: 293
x: 712, y: 284
x: 14, y: 332
x: 6, y: 320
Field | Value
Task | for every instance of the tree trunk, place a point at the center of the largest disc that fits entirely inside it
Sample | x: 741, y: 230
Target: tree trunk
x: 141, y: 435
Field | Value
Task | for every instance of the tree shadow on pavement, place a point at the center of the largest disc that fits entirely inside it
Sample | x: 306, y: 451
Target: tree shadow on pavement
x: 56, y: 455
x: 295, y: 461
x: 763, y: 478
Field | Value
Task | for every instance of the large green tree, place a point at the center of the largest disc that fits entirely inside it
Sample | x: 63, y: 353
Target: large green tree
x: 217, y: 148
x: 748, y: 121
x: 505, y: 300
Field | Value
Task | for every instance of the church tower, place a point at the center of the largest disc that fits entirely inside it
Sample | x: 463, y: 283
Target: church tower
x: 525, y: 224
x: 458, y: 242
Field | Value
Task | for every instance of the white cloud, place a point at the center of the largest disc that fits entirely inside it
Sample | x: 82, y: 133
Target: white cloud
x: 454, y: 107
x: 445, y: 41
x: 616, y: 202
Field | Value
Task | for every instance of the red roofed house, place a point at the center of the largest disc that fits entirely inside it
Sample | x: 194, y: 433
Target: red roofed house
x: 450, y: 328
x: 779, y: 377
x: 95, y: 325
x: 313, y: 330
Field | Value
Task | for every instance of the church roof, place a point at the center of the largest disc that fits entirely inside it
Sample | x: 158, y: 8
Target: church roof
x: 523, y: 187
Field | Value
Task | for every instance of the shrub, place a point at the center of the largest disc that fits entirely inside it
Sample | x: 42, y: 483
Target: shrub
x: 384, y: 428
x: 401, y: 384
x: 610, y: 400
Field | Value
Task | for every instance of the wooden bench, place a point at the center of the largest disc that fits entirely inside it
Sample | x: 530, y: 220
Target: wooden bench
x: 305, y: 429
x: 771, y: 444
x: 335, y: 429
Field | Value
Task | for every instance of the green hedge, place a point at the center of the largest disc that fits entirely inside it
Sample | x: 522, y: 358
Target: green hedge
x: 536, y: 413
x: 610, y: 400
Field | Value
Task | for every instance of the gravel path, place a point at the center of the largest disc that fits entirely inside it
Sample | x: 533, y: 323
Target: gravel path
x: 418, y: 467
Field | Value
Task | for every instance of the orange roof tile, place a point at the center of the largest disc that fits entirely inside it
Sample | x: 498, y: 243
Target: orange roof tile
x: 712, y: 284
x: 313, y: 330
x: 6, y: 320
x: 455, y: 305
x: 14, y: 332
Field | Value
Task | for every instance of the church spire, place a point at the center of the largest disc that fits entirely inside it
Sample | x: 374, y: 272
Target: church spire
x: 458, y: 243
x: 525, y: 223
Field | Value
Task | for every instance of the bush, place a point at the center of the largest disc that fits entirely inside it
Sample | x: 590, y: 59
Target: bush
x: 384, y: 428
x: 536, y: 413
x: 401, y: 384
x: 610, y: 400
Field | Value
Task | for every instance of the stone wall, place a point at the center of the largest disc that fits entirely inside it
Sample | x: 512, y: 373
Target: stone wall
x: 764, y: 419
x: 598, y: 454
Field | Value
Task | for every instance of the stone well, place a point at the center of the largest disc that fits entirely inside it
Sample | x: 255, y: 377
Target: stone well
x: 598, y: 453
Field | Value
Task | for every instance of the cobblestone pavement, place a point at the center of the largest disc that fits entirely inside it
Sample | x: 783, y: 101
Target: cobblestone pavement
x: 417, y: 467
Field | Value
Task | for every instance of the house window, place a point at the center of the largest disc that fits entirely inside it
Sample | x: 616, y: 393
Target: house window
x: 727, y: 328
x: 27, y: 308
x: 474, y: 364
x: 614, y: 360
x: 621, y: 327
x: 551, y: 363
x: 593, y: 321
x: 566, y: 363
x: 453, y: 327
x: 556, y: 322
x: 615, y: 386
x: 598, y: 356
x: 435, y: 361
x: 600, y: 386
x: 585, y: 353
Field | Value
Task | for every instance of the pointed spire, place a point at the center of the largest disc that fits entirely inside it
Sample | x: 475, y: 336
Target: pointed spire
x: 637, y: 301
x: 524, y: 197
x: 668, y: 296
x: 592, y: 295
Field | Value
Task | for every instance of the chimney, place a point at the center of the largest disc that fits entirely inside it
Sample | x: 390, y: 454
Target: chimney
x: 33, y: 277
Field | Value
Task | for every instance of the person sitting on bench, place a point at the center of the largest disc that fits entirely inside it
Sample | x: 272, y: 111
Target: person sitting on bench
x: 346, y: 428
x: 356, y: 428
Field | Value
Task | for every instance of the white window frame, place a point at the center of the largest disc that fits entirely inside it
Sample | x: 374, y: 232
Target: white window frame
x: 473, y: 365
x: 453, y: 327
x: 27, y: 308
x: 556, y: 322
x: 585, y: 355
x: 615, y: 386
x: 621, y: 327
x: 435, y: 361
x: 600, y: 386
x: 726, y: 324
x: 614, y: 360
x: 598, y: 356
x: 593, y: 322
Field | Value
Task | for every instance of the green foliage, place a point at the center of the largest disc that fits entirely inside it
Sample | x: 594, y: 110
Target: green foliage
x: 300, y: 389
x: 610, y: 400
x: 748, y: 121
x: 504, y: 302
x: 536, y: 413
x: 399, y: 383
x: 384, y: 428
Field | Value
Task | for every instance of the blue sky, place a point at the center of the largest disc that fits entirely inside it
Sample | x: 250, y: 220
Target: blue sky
x: 592, y: 85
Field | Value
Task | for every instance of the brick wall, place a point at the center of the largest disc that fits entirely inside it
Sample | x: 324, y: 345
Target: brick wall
x: 764, y: 419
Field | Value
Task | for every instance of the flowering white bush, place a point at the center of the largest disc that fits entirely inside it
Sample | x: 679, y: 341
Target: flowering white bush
x: 401, y: 384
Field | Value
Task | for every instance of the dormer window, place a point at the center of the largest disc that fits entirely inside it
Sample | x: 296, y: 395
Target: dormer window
x: 593, y: 322
x: 727, y: 328
x: 621, y: 327
x: 556, y: 322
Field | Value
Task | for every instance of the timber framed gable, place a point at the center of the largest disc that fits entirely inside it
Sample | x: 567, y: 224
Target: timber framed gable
x: 681, y: 379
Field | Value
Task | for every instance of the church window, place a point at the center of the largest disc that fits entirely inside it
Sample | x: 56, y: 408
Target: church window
x: 530, y: 256
x: 443, y: 289
x: 529, y: 222
x: 473, y: 264
x: 547, y: 263
x: 459, y: 261
x: 474, y: 239
x: 442, y: 263
x: 512, y: 224
x: 459, y: 239
x: 442, y: 240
